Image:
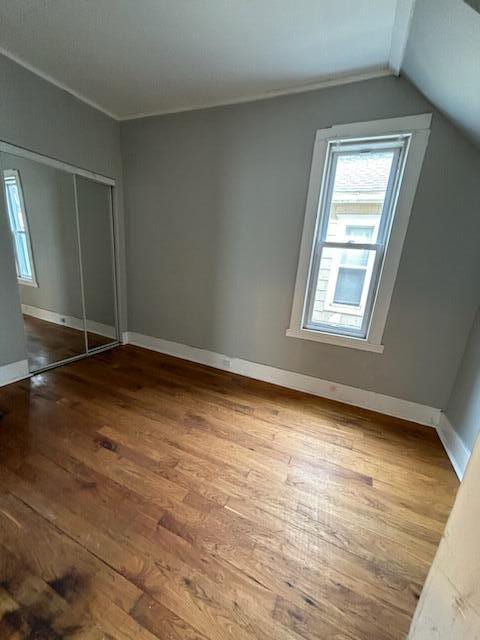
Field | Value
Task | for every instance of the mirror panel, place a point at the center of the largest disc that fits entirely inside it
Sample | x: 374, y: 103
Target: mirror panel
x: 40, y: 204
x: 97, y: 255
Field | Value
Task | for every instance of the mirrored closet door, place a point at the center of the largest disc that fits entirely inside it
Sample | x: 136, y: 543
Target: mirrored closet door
x: 61, y: 227
x: 98, y: 266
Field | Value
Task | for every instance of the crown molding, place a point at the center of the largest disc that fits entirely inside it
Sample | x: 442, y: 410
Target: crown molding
x: 331, y: 81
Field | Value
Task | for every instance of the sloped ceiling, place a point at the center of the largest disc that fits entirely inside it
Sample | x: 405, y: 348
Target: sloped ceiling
x: 442, y: 58
x: 133, y: 57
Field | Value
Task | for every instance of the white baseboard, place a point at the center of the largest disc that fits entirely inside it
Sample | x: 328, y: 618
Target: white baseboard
x: 69, y: 321
x: 457, y: 452
x: 13, y: 372
x: 396, y: 407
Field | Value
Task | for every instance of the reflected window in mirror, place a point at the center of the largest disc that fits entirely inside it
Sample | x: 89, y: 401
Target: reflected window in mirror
x: 19, y: 227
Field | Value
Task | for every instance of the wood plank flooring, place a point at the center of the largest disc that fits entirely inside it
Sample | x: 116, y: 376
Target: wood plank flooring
x: 145, y: 497
x: 49, y: 342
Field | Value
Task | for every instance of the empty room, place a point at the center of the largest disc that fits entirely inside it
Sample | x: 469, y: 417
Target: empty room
x: 239, y: 319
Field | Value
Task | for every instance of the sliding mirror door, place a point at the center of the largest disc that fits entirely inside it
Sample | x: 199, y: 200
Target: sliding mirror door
x: 40, y: 203
x: 97, y: 254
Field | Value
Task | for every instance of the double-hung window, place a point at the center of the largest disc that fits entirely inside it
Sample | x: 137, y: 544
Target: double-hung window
x: 19, y: 227
x: 362, y: 184
x: 349, y: 273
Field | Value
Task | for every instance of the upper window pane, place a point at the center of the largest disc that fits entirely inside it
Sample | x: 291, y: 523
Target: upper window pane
x: 359, y: 233
x: 359, y: 188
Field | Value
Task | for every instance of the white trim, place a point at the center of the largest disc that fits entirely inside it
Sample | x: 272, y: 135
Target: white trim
x: 417, y: 127
x: 69, y: 321
x: 27, y: 283
x: 456, y: 450
x: 400, y: 33
x: 332, y: 81
x: 386, y: 126
x: 57, y: 83
x: 13, y: 372
x: 336, y: 339
x: 80, y: 263
x: 14, y: 149
x: 397, y: 407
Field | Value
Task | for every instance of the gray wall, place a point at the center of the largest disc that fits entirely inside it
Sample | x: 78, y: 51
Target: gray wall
x: 97, y: 258
x: 214, y: 213
x: 50, y: 208
x: 37, y: 115
x: 463, y: 410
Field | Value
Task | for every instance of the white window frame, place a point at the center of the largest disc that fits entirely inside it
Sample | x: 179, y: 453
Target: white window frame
x: 417, y: 128
x: 33, y: 282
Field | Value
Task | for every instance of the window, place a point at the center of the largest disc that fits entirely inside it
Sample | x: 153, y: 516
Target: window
x: 349, y: 272
x: 361, y: 191
x: 19, y: 228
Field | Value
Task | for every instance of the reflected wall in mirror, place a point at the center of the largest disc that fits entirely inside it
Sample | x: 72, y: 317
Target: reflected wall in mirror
x: 40, y: 204
x: 97, y: 254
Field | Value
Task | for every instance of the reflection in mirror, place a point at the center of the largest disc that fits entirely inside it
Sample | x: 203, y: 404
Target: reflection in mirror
x: 40, y: 203
x: 96, y: 241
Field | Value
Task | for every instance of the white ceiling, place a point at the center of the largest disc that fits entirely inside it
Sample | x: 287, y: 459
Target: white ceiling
x: 135, y: 57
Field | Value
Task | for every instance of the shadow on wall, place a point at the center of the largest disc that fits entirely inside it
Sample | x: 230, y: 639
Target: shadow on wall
x: 463, y: 409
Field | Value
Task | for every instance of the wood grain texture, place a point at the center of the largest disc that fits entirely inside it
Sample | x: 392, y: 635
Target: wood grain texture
x: 145, y: 497
x: 49, y: 342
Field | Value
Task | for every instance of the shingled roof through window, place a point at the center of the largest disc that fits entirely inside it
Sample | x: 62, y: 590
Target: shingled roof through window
x: 363, y: 172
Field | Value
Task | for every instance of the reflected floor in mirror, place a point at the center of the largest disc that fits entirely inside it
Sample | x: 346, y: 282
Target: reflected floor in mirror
x: 49, y: 342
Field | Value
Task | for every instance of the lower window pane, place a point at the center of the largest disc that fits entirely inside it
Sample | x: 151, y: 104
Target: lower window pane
x: 349, y: 287
x: 341, y: 290
x: 23, y: 258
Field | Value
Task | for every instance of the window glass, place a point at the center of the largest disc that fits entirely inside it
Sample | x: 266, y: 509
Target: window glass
x: 359, y: 187
x: 342, y: 284
x: 349, y: 286
x: 18, y: 226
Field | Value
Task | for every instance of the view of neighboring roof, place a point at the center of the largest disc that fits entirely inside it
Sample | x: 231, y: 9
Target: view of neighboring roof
x: 362, y: 173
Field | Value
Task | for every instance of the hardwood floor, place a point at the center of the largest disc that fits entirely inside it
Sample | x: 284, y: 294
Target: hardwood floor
x: 49, y: 342
x: 145, y: 497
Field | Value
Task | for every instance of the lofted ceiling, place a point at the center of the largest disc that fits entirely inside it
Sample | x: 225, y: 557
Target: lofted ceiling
x: 131, y: 58
x: 134, y: 57
x: 442, y: 59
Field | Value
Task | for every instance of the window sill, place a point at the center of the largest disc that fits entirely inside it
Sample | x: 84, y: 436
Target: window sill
x: 27, y: 283
x: 331, y: 338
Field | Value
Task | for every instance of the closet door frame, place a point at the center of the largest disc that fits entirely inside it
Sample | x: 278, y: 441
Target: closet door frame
x: 6, y: 147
